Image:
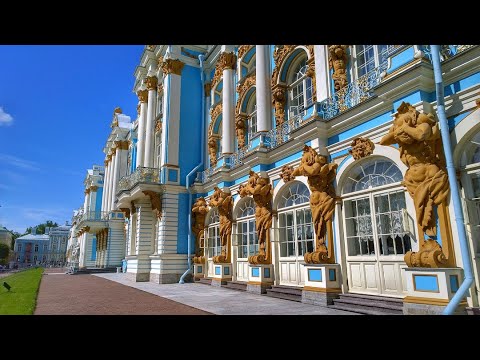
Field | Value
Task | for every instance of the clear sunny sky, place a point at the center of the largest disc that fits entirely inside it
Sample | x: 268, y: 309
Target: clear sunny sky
x: 56, y: 105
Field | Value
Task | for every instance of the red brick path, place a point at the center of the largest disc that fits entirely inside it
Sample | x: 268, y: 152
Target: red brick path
x: 61, y: 294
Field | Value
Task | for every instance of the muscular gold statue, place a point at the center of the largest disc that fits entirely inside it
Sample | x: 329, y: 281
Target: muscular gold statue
x: 418, y: 136
x: 240, y: 129
x: 212, y: 150
x: 321, y: 175
x: 261, y: 190
x: 199, y: 212
x: 224, y: 202
x: 338, y: 60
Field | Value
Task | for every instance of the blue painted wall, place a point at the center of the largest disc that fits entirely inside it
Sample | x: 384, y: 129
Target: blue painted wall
x: 94, y: 249
x: 183, y: 211
x: 98, y: 201
x: 190, y: 121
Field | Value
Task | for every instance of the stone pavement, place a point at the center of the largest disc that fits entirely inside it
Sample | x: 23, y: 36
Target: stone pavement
x: 61, y: 294
x: 223, y: 301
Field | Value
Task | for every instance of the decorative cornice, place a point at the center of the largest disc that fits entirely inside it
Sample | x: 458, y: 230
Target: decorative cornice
x: 151, y: 82
x: 142, y: 95
x: 172, y: 66
x: 243, y: 49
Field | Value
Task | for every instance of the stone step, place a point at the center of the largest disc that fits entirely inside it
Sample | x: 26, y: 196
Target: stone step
x: 284, y: 296
x: 394, y: 307
x: 373, y: 298
x: 96, y: 270
x: 473, y: 310
x: 206, y: 281
x: 286, y: 290
x: 236, y: 285
x: 364, y: 311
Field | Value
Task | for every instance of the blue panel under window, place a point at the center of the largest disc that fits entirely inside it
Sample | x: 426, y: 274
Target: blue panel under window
x: 94, y: 249
x: 218, y: 270
x: 315, y: 275
x: 427, y: 283
x: 255, y: 272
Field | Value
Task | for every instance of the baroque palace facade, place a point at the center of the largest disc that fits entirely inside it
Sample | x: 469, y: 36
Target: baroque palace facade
x: 315, y: 167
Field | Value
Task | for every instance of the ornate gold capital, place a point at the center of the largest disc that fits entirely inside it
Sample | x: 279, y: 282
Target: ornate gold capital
x: 172, y: 66
x: 93, y: 188
x: 227, y: 60
x: 87, y: 191
x: 117, y: 110
x: 361, y: 147
x: 151, y: 82
x: 142, y: 95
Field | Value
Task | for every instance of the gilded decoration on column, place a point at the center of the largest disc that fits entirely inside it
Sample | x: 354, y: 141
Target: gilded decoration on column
x: 224, y: 202
x: 338, y: 60
x: 207, y: 87
x: 243, y: 49
x: 160, y: 88
x: 321, y: 175
x: 151, y: 82
x: 227, y: 60
x: 278, y: 99
x: 150, y: 47
x: 421, y: 149
x: 361, y: 147
x: 260, y: 188
x: 287, y: 173
x: 172, y: 66
x: 240, y: 129
x: 93, y: 188
x: 126, y: 212
x: 199, y: 213
x: 142, y: 95
x: 156, y: 201
x: 158, y: 125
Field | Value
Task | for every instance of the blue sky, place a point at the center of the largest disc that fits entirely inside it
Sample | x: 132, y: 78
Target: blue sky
x: 56, y: 105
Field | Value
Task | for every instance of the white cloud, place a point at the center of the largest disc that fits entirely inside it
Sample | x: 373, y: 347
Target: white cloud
x: 18, y: 162
x: 5, y: 118
x: 18, y: 218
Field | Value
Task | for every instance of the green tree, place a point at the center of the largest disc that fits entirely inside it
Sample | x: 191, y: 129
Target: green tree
x: 15, y: 235
x: 41, y: 227
x: 4, y: 252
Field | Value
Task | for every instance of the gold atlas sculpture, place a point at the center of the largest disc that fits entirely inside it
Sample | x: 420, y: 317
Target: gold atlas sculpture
x: 223, y: 200
x: 199, y: 213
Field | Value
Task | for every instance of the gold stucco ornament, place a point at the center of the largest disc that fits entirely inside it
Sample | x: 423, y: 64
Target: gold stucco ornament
x: 338, y: 61
x: 320, y: 175
x: 361, y: 147
x: 223, y: 200
x: 426, y: 180
x: 199, y: 213
x: 260, y: 188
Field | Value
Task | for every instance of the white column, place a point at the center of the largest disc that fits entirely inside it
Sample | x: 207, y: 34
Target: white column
x: 104, y: 193
x: 321, y: 71
x: 228, y: 60
x: 116, y: 170
x: 151, y: 82
x: 109, y: 177
x: 263, y: 88
x: 142, y: 96
x: 110, y: 181
x: 87, y: 201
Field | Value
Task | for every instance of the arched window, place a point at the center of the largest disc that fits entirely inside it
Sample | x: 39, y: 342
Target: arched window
x: 374, y: 220
x: 300, y: 91
x: 214, y: 245
x: 368, y: 57
x: 251, y: 117
x: 247, y: 234
x: 295, y: 221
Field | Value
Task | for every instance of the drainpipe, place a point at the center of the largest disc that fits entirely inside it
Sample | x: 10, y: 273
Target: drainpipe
x: 187, y: 179
x: 457, y: 207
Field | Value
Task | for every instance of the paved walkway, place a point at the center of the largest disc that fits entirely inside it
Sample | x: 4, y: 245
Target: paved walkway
x: 223, y: 301
x: 61, y: 294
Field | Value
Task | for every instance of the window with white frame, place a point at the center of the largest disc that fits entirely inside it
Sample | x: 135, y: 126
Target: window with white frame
x: 251, y: 117
x: 300, y: 90
x: 368, y: 57
x: 158, y: 149
x: 374, y: 218
x: 247, y: 239
x: 295, y: 221
x: 214, y: 246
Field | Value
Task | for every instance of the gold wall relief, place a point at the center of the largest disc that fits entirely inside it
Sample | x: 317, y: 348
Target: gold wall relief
x: 311, y: 74
x: 151, y: 82
x: 245, y: 85
x: 199, y: 213
x: 426, y: 180
x: 320, y: 175
x: 243, y: 49
x: 240, y: 129
x: 361, y: 147
x: 223, y: 200
x: 156, y: 201
x: 279, y: 98
x: 279, y: 55
x: 212, y: 150
x: 214, y: 113
x: 260, y: 188
x: 142, y: 95
x: 172, y: 66
x: 338, y: 61
x: 287, y: 173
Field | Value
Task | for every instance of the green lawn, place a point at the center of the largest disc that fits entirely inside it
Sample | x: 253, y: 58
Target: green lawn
x: 22, y: 297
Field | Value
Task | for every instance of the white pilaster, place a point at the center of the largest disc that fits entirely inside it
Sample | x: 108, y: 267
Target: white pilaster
x: 116, y: 171
x: 149, y: 139
x: 228, y: 114
x: 321, y: 71
x: 110, y: 182
x: 263, y: 88
x: 171, y: 123
x: 86, y: 202
x: 104, y: 193
x: 142, y: 96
